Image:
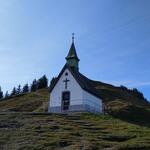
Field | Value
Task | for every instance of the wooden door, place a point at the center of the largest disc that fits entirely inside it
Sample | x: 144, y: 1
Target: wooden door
x: 65, y: 100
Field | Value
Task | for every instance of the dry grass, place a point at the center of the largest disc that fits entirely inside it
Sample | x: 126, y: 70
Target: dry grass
x: 27, y: 102
x: 42, y: 131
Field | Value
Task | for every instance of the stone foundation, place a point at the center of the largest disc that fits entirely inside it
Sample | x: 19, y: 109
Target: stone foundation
x: 73, y: 108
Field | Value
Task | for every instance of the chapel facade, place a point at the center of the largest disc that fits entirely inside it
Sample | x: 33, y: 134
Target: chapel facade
x: 71, y: 91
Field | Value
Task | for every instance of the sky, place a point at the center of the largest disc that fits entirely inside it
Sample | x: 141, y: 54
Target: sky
x: 112, y: 39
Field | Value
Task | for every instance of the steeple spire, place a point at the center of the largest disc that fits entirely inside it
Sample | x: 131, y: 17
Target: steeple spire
x: 72, y: 58
x: 73, y: 37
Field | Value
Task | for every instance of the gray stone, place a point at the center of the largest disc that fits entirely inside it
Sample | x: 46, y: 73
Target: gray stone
x: 73, y: 108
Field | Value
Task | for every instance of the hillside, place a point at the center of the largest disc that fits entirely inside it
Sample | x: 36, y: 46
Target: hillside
x: 31, y: 102
x: 118, y: 102
x: 124, y: 103
x: 24, y: 125
x: 43, y: 131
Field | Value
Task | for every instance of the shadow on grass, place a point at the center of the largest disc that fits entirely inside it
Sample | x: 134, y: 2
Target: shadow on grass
x: 134, y: 115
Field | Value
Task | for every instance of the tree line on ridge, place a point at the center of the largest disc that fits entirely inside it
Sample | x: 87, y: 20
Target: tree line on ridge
x: 35, y: 85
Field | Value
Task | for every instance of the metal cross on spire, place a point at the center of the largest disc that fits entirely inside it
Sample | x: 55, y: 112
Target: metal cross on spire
x: 73, y: 37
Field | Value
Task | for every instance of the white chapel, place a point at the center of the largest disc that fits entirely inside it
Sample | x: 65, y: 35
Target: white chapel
x: 72, y: 91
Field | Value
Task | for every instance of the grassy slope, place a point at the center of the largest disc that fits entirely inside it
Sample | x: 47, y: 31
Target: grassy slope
x: 27, y: 102
x: 39, y: 131
x: 46, y: 131
x: 124, y: 104
x: 119, y: 103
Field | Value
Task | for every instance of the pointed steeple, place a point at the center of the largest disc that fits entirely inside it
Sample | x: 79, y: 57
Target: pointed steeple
x: 72, y: 53
x: 72, y: 58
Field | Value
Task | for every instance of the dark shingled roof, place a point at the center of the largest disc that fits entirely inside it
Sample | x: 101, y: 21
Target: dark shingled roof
x: 84, y: 82
x: 72, y: 52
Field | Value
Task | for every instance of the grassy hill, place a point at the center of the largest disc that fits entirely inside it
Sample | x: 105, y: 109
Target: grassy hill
x: 119, y: 102
x: 43, y: 131
x: 124, y: 103
x: 24, y: 124
x: 31, y: 102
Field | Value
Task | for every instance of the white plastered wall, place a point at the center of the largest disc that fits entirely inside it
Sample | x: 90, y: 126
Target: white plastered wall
x: 94, y: 102
x: 76, y: 91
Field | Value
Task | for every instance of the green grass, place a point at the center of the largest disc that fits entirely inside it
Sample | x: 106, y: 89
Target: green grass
x: 25, y: 125
x: 27, y: 102
x: 124, y: 104
x: 118, y: 103
x: 42, y: 131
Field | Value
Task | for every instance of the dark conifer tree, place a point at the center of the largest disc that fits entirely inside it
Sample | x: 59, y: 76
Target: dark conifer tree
x: 18, y: 90
x: 53, y: 81
x: 25, y: 88
x: 42, y: 82
x: 14, y: 92
x: 123, y: 87
x: 6, y: 95
x: 34, y: 85
x: 1, y: 93
x: 138, y: 93
x: 45, y: 81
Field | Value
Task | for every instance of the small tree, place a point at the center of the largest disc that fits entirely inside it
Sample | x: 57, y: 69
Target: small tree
x: 52, y: 82
x: 34, y: 85
x: 14, y: 92
x: 6, y: 95
x: 138, y: 93
x: 123, y: 87
x: 42, y: 82
x: 1, y: 93
x: 25, y: 88
x: 18, y: 90
x: 135, y: 90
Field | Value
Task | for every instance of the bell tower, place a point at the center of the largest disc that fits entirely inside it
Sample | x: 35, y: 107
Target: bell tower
x: 72, y: 58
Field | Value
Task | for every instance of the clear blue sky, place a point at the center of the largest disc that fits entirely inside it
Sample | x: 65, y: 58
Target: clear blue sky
x: 112, y: 40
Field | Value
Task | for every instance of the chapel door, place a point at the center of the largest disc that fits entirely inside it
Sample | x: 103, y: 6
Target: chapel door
x: 65, y: 100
